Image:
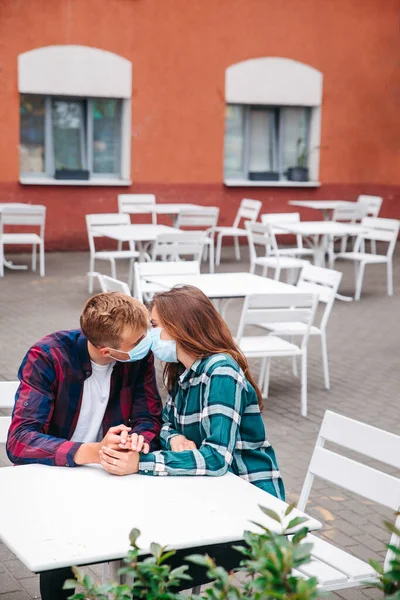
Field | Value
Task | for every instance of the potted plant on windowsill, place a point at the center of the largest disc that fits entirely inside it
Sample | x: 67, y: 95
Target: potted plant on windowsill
x: 71, y: 174
x: 263, y: 176
x: 300, y: 171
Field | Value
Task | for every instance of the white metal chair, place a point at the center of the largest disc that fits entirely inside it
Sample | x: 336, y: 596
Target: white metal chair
x: 263, y: 236
x: 346, y: 214
x: 144, y: 288
x: 201, y: 217
x: 372, y: 206
x: 138, y: 204
x: 109, y: 284
x: 277, y: 308
x: 173, y: 246
x: 378, y: 230
x: 325, y: 284
x: 24, y: 215
x: 248, y: 210
x: 97, y: 220
x: 335, y: 568
x: 7, y: 398
x: 274, y: 219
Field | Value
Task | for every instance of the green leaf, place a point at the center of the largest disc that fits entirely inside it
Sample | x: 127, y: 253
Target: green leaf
x: 272, y: 514
x: 70, y: 584
x: 296, y: 521
x: 391, y: 527
x: 88, y: 582
x: 289, y: 509
x: 200, y: 559
x: 375, y: 565
x: 155, y: 549
x: 300, y: 535
x: 133, y: 536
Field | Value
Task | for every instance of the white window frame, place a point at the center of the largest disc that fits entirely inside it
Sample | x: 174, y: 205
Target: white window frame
x: 79, y: 72
x: 278, y: 82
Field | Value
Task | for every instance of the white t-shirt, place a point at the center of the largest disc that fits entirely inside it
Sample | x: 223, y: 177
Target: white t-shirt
x: 96, y: 391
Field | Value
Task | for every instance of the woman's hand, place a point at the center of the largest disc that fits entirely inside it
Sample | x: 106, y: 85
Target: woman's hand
x: 179, y: 443
x: 136, y: 443
x: 119, y: 462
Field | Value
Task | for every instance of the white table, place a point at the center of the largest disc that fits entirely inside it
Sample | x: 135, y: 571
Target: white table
x: 325, y: 206
x: 134, y: 233
x: 53, y: 517
x: 171, y: 209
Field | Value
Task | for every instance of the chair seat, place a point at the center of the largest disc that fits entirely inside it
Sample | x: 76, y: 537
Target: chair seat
x: 21, y: 238
x: 362, y: 257
x: 284, y: 262
x: 295, y: 328
x: 335, y: 567
x: 296, y: 252
x: 231, y: 231
x: 107, y: 254
x: 267, y: 346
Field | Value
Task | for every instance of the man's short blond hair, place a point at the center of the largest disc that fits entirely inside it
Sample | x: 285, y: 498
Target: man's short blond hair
x: 105, y: 317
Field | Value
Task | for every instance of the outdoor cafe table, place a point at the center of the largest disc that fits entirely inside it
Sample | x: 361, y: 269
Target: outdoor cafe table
x: 134, y: 233
x: 325, y: 206
x: 53, y: 517
x: 222, y: 286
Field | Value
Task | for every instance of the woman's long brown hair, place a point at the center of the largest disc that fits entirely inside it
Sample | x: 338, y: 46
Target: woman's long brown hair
x: 192, y: 320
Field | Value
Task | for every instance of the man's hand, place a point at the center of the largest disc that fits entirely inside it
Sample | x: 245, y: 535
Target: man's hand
x: 118, y: 462
x: 115, y: 437
x: 179, y: 443
x: 136, y: 443
x: 88, y: 453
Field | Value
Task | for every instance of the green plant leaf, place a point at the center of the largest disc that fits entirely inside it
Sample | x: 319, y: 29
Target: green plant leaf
x: 200, y: 559
x: 375, y: 565
x: 70, y: 584
x: 300, y: 535
x: 133, y: 536
x: 270, y: 513
x: 289, y: 509
x: 295, y: 522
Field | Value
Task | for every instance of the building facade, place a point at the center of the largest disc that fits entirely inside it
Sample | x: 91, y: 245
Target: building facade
x: 203, y: 101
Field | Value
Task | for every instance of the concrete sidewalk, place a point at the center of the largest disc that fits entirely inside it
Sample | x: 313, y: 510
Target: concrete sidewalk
x: 364, y: 360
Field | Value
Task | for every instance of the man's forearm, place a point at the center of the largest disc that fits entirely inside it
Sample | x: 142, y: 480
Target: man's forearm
x: 88, y: 453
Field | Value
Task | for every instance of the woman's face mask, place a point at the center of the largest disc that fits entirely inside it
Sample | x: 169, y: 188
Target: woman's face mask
x: 164, y: 350
x: 138, y: 352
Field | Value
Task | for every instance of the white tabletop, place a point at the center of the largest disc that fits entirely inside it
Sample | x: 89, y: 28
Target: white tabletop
x: 134, y: 233
x: 53, y: 517
x: 333, y: 228
x: 7, y: 393
x: 320, y: 204
x: 226, y: 285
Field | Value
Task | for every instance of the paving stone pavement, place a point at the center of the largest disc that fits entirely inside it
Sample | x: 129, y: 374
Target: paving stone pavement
x: 364, y: 359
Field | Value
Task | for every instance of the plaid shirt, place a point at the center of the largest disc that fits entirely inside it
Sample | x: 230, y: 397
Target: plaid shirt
x: 214, y: 406
x: 49, y: 397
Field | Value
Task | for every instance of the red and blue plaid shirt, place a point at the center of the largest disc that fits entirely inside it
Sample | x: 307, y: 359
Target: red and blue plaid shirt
x: 49, y: 397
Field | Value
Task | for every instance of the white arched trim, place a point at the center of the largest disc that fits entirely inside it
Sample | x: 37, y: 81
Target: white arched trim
x: 74, y: 71
x: 273, y: 81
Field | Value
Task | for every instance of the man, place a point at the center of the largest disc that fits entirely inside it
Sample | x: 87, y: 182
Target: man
x: 85, y: 389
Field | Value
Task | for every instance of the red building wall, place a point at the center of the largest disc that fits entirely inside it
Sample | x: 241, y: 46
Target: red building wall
x: 180, y: 50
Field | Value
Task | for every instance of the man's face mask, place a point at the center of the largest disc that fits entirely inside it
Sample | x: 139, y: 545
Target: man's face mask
x: 164, y: 350
x: 137, y: 353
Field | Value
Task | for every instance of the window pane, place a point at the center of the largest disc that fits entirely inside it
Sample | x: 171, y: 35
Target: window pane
x: 106, y: 136
x: 31, y: 152
x: 262, y: 140
x: 234, y: 141
x: 295, y: 122
x: 68, y: 134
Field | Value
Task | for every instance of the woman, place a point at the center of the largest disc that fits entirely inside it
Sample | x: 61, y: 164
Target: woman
x: 212, y: 420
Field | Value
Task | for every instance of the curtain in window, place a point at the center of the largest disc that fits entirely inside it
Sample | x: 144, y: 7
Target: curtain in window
x: 32, y: 144
x: 106, y: 136
x: 68, y: 124
x: 234, y: 141
x: 262, y: 140
x: 295, y: 122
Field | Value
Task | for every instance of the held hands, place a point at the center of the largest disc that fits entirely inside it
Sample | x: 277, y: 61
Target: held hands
x: 179, y: 443
x: 119, y: 452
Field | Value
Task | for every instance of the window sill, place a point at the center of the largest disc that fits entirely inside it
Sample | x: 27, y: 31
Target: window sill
x: 26, y: 180
x: 292, y: 184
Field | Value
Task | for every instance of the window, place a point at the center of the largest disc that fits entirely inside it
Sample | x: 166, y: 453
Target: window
x: 59, y: 135
x: 267, y: 143
x: 272, y: 122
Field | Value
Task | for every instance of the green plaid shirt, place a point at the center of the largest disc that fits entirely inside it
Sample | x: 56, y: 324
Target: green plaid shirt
x: 214, y: 406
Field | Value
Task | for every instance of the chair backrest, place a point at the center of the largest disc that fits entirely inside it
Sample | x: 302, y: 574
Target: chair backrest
x: 279, y: 308
x: 109, y: 284
x: 8, y: 390
x: 349, y: 474
x: 372, y: 204
x: 199, y: 217
x: 172, y: 246
x: 24, y: 214
x: 349, y: 214
x: 5, y: 423
x: 322, y: 282
x: 274, y: 218
x: 379, y: 230
x: 138, y: 204
x: 249, y: 210
x: 99, y: 219
x: 151, y: 269
x: 262, y: 236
